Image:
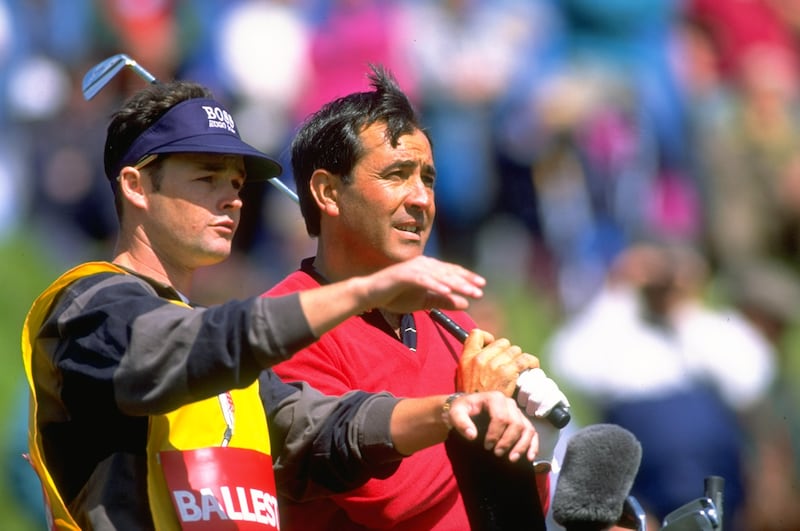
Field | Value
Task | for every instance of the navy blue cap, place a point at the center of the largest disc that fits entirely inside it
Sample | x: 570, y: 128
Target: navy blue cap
x: 198, y: 125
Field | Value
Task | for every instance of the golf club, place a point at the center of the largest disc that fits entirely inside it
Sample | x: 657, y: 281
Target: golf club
x: 103, y: 72
x: 559, y: 416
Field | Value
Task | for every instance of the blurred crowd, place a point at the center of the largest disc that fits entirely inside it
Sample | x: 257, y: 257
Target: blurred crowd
x: 567, y: 133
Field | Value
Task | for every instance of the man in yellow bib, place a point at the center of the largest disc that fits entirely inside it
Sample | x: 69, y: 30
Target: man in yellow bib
x: 147, y: 412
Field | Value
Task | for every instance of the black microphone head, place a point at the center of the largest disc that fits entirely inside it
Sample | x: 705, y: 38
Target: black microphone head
x: 600, y: 465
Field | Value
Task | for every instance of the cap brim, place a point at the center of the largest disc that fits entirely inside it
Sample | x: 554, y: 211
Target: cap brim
x: 259, y: 167
x: 198, y: 125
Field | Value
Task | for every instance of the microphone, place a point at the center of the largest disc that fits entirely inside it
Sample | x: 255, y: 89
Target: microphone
x: 559, y: 416
x: 599, y: 467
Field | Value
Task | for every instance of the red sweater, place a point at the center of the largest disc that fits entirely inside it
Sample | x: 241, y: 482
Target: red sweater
x: 362, y: 354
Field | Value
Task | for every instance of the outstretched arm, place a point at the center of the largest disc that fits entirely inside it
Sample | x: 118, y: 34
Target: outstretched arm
x: 323, y: 444
x: 415, y: 284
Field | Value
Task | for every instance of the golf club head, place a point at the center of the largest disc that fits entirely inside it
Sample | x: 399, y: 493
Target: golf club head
x: 697, y: 515
x: 103, y: 72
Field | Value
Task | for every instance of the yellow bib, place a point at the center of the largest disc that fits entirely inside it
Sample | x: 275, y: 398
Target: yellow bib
x: 234, y: 420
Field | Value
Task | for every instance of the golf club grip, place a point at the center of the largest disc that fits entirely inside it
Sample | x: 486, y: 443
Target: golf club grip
x: 559, y: 416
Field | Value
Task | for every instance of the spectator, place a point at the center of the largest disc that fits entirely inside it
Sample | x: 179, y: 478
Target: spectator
x: 651, y: 356
x: 767, y: 294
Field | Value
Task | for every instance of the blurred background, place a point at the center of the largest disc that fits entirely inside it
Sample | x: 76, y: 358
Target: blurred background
x: 626, y: 174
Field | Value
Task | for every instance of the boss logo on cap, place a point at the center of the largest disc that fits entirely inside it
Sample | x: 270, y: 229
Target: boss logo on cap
x: 219, y: 118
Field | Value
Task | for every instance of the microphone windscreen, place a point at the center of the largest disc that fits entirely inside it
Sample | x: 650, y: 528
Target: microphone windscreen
x: 599, y: 467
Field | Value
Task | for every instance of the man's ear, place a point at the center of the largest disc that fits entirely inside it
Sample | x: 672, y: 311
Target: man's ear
x: 131, y: 186
x: 325, y: 190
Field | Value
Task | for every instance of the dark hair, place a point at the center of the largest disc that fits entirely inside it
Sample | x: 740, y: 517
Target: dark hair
x: 137, y: 114
x: 329, y: 140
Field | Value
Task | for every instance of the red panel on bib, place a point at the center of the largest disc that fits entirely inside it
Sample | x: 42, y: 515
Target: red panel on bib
x: 219, y: 488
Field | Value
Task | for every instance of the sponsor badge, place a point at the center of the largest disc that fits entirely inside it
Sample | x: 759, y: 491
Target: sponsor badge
x: 221, y: 488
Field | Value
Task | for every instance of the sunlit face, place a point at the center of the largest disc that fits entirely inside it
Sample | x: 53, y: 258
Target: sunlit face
x: 386, y: 213
x: 193, y: 216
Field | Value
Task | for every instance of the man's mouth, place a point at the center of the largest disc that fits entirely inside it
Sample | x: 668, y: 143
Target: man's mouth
x: 226, y: 226
x: 413, y: 229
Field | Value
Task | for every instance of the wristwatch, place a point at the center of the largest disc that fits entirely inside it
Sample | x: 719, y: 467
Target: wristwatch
x: 448, y: 403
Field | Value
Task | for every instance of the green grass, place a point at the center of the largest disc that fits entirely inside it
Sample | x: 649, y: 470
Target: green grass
x: 25, y: 271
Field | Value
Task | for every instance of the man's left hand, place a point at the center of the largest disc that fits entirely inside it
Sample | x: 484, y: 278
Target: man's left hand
x: 489, y: 364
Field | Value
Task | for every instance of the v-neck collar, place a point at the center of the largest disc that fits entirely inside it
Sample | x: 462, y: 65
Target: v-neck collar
x: 408, y: 329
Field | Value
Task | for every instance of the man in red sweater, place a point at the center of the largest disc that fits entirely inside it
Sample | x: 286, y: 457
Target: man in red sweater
x: 365, y: 177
